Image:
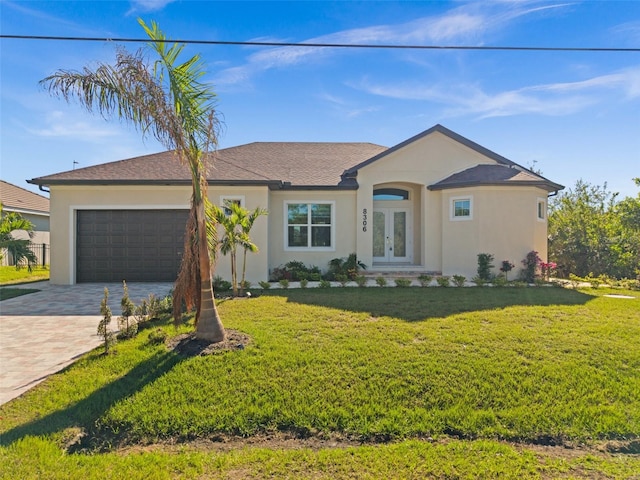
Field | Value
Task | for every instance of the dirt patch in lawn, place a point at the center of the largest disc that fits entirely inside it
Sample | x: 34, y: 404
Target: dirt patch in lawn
x: 188, y: 345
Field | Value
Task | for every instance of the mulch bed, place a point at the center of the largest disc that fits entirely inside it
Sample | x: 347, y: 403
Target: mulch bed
x: 188, y: 345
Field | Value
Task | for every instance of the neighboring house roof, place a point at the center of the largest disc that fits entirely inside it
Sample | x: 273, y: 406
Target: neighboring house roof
x: 18, y: 199
x: 495, y: 175
x: 293, y: 165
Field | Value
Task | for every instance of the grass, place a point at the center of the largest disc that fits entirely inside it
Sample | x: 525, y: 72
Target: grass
x: 11, y: 276
x: 433, y: 383
x: 7, y: 293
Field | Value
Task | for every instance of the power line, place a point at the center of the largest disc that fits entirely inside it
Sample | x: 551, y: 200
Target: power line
x: 323, y: 45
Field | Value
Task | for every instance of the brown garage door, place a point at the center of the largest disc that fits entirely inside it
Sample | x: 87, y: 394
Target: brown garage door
x: 131, y: 245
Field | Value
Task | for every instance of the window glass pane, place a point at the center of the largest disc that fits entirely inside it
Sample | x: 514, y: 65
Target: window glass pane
x: 378, y: 234
x: 399, y: 234
x: 320, y: 236
x: 321, y: 214
x: 298, y: 236
x: 390, y: 194
x: 541, y: 210
x: 462, y: 208
x: 297, y: 213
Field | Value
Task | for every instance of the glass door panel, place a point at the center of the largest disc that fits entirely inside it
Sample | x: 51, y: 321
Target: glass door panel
x: 399, y: 234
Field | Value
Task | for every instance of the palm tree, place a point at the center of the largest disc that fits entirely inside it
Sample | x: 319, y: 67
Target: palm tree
x: 169, y: 102
x: 18, y: 248
x: 246, y: 224
x: 233, y: 236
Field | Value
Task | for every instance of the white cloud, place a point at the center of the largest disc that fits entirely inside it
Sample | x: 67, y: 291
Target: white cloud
x: 59, y: 125
x: 148, y: 5
x: 553, y: 99
x: 346, y: 108
x: 467, y: 24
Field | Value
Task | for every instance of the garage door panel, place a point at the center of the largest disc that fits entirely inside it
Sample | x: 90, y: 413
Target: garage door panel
x: 131, y: 245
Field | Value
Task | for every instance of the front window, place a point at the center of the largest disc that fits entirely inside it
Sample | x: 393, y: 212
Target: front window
x: 461, y: 208
x: 309, y: 225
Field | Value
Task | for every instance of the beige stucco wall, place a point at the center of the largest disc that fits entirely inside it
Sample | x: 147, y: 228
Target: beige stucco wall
x: 66, y: 200
x: 421, y: 163
x: 345, y: 225
x: 504, y: 223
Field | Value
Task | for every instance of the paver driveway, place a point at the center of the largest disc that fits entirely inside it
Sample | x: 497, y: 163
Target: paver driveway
x: 43, y: 332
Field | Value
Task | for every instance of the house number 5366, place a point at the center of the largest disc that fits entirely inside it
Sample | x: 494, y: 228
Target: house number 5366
x: 364, y: 219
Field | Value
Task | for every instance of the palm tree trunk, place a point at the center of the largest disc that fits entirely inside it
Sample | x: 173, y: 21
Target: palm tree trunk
x: 244, y: 270
x: 234, y: 274
x: 209, y: 325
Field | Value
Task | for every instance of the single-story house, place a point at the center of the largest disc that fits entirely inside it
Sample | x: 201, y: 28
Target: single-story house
x: 429, y: 204
x: 32, y: 207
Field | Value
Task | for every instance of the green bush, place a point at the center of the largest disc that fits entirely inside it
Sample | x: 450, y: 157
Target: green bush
x: 484, y: 266
x: 324, y: 284
x: 104, y: 332
x: 264, y: 285
x: 479, y: 281
x: 295, y: 271
x: 127, y: 321
x: 284, y: 283
x: 303, y: 283
x: 425, y: 280
x: 403, y: 282
x: 459, y: 280
x: 443, y: 281
x: 381, y: 281
x: 499, y: 281
x: 221, y: 285
x: 361, y: 281
x: 349, y: 267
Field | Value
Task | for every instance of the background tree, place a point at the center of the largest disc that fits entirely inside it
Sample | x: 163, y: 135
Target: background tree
x: 589, y: 232
x: 168, y: 101
x: 17, y: 248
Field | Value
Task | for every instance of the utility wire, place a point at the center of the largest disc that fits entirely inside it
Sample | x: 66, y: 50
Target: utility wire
x: 323, y: 45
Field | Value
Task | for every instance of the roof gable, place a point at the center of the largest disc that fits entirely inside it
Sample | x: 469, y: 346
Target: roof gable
x: 435, y: 129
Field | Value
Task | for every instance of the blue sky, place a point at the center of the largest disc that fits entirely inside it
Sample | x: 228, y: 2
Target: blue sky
x: 573, y: 115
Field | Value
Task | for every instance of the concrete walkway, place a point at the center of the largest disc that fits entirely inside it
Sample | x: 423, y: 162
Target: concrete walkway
x: 43, y: 332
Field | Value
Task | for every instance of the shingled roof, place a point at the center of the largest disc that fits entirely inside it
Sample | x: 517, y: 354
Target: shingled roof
x: 292, y: 165
x: 277, y: 164
x: 495, y: 175
x: 18, y: 199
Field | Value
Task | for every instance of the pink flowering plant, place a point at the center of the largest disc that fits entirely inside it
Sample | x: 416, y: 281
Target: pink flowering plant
x: 548, y: 269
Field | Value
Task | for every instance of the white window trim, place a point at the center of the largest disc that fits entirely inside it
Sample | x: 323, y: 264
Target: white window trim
x: 452, y: 202
x: 544, y: 209
x: 287, y: 248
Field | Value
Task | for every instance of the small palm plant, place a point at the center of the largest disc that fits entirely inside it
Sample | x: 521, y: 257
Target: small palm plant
x: 18, y: 248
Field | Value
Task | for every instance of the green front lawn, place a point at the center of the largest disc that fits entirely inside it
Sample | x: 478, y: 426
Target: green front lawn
x: 7, y: 293
x: 355, y: 383
x: 11, y: 276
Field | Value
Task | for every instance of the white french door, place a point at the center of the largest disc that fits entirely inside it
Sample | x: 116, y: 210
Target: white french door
x: 392, y: 235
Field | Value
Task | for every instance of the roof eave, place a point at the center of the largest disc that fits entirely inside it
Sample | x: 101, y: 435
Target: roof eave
x: 548, y: 186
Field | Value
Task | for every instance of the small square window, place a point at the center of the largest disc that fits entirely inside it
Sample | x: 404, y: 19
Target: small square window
x: 461, y: 208
x: 227, y: 199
